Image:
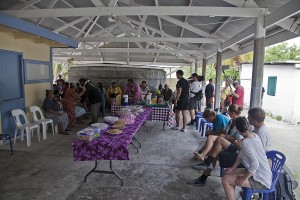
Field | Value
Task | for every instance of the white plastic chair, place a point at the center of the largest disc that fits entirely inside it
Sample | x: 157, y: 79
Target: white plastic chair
x: 27, y: 126
x: 42, y: 121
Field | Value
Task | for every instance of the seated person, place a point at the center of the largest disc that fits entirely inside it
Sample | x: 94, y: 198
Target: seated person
x: 167, y: 93
x: 257, y: 174
x: 229, y: 141
x: 144, y: 89
x: 230, y: 133
x: 219, y: 121
x: 112, y: 92
x: 53, y: 111
x: 230, y: 148
x: 133, y: 90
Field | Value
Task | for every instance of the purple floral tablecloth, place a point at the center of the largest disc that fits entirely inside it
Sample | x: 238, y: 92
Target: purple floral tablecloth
x: 109, y: 147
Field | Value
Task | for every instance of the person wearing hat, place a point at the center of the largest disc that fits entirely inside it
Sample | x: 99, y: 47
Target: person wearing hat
x: 112, y: 92
x: 238, y: 94
x: 195, y: 87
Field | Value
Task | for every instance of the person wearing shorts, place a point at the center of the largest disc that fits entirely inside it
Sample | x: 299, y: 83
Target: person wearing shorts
x: 257, y: 174
x: 181, y: 100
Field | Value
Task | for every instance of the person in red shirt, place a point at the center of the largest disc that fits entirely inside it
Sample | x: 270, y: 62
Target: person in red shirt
x: 238, y: 94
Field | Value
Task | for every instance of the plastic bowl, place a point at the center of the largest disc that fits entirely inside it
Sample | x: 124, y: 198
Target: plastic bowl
x: 111, y: 119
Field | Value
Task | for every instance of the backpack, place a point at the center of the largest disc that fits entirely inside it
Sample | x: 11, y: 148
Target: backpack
x: 284, y: 186
x: 198, y: 95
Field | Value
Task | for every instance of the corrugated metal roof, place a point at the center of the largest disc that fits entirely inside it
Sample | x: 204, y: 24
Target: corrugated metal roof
x: 176, y: 26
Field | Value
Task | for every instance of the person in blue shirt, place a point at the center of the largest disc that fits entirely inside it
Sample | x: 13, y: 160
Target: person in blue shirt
x: 219, y: 121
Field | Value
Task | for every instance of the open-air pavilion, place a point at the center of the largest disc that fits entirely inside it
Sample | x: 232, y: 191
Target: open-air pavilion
x: 151, y: 34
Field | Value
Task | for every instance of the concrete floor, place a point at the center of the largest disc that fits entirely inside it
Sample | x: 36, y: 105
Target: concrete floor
x: 159, y: 171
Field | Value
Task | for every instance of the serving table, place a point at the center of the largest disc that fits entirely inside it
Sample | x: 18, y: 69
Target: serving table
x: 108, y: 147
x: 158, y: 113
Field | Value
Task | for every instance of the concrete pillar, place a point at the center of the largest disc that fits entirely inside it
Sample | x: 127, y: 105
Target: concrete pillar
x: 191, y: 68
x: 258, y: 63
x: 196, y: 65
x: 218, y: 77
x: 204, y: 62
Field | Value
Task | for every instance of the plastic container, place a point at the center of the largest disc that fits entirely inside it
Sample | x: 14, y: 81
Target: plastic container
x: 125, y: 100
x: 88, y: 134
x: 110, y: 119
x: 154, y: 100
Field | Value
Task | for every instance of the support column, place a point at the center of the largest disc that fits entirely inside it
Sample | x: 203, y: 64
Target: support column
x: 218, y: 77
x: 204, y: 62
x: 191, y: 68
x: 258, y: 63
x: 196, y: 65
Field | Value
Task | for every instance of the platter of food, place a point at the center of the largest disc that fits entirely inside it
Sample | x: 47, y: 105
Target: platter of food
x: 114, y: 131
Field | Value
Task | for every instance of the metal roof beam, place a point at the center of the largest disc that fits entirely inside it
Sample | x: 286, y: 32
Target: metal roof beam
x: 289, y: 9
x: 132, y: 56
x: 140, y: 10
x: 70, y: 24
x: 52, y: 3
x: 112, y: 3
x: 98, y: 3
x: 154, y: 30
x: 131, y: 50
x: 25, y: 5
x: 143, y: 21
x: 84, y: 27
x: 149, y: 39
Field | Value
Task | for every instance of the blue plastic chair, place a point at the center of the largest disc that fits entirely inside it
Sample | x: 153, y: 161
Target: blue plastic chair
x: 278, y: 160
x: 204, y: 126
x: 198, y: 119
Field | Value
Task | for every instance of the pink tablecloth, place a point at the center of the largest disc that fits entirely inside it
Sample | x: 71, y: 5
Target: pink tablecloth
x: 109, y: 147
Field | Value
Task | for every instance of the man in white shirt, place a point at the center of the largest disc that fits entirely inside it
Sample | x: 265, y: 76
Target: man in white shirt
x: 256, y: 117
x: 195, y: 87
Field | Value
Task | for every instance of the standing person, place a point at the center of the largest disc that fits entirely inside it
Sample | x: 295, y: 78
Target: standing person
x: 238, y: 94
x: 103, y: 95
x: 209, y: 94
x: 94, y: 97
x: 226, y: 90
x: 195, y: 87
x: 257, y: 174
x: 60, y: 82
x: 145, y: 89
x: 62, y: 92
x: 167, y: 93
x: 112, y: 92
x: 69, y: 103
x: 181, y: 100
x: 133, y: 90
